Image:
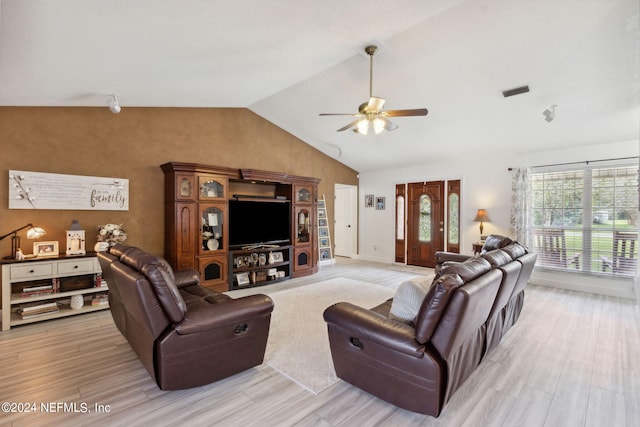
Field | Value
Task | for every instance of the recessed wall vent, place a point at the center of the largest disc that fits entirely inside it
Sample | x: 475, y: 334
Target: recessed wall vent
x: 515, y: 91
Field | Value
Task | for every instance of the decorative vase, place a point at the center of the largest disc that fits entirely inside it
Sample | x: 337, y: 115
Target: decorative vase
x: 77, y: 301
x: 101, y: 246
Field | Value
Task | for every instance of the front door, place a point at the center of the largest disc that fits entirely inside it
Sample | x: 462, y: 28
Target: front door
x: 425, y: 222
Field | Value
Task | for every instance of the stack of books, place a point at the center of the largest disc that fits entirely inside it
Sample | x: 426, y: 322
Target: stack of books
x: 30, y: 291
x: 100, y: 301
x: 27, y: 312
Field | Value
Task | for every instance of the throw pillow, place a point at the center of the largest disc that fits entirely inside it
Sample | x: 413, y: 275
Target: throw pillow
x: 406, y: 302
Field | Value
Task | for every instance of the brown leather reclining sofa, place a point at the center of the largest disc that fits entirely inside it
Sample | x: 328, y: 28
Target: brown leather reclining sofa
x: 186, y: 335
x: 471, y: 304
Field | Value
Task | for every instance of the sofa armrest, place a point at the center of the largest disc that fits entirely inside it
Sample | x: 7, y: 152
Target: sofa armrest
x: 187, y: 278
x: 232, y: 313
x: 373, y: 327
x: 450, y: 256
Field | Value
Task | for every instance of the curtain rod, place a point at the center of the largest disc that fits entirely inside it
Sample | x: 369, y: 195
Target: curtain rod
x: 586, y: 162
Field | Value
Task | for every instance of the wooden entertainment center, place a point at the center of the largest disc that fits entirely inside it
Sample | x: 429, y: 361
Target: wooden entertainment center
x: 197, y: 224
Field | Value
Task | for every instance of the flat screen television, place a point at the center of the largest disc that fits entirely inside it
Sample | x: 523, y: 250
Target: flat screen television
x: 259, y: 222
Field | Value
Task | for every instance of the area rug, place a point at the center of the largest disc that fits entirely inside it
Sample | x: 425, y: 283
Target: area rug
x: 298, y: 345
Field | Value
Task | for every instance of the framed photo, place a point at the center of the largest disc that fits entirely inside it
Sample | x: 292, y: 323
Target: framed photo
x: 242, y: 279
x: 368, y: 200
x: 322, y: 222
x: 322, y: 214
x: 324, y: 232
x: 320, y: 204
x: 277, y: 257
x: 325, y: 254
x: 45, y: 249
x: 324, y: 242
x: 380, y: 203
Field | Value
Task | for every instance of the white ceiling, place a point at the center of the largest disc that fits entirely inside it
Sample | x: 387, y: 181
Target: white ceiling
x: 289, y: 60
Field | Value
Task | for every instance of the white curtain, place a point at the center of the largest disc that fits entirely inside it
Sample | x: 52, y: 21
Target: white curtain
x: 521, y: 220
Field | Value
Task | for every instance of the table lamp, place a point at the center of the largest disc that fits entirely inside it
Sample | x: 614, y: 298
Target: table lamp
x: 482, y: 217
x: 32, y: 233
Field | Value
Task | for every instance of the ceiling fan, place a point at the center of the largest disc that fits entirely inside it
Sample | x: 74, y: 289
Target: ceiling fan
x: 370, y: 114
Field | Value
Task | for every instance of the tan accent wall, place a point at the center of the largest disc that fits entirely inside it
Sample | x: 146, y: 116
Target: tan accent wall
x: 133, y: 145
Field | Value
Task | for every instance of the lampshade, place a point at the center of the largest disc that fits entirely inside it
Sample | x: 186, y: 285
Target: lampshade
x: 482, y: 216
x: 35, y: 233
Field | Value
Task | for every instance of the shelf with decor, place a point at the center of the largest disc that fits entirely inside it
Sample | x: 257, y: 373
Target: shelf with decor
x: 259, y: 266
x: 48, y: 288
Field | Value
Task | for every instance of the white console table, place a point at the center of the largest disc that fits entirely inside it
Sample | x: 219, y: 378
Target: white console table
x: 43, y: 271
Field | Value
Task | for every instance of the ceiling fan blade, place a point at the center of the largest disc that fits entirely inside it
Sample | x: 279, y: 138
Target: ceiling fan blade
x: 339, y: 114
x: 375, y: 104
x: 388, y: 124
x: 350, y: 125
x: 406, y: 113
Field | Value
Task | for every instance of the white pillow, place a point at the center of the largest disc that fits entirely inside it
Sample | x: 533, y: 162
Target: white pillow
x: 407, y: 301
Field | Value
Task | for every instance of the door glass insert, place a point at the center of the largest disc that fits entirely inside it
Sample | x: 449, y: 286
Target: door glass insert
x: 425, y: 232
x: 400, y: 217
x: 454, y: 229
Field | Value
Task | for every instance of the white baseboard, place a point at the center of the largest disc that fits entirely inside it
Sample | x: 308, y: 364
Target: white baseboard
x: 614, y: 287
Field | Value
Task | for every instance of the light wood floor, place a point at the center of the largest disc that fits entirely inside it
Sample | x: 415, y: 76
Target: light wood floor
x: 573, y: 359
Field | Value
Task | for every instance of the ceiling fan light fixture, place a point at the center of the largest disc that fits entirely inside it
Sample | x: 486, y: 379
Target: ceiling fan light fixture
x: 378, y: 125
x: 366, y: 126
x: 363, y: 126
x: 373, y: 119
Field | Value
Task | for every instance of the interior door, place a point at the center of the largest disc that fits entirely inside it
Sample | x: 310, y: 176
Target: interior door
x: 346, y: 220
x: 425, y: 222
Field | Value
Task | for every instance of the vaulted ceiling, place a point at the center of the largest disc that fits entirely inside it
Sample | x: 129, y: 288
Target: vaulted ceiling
x: 289, y: 60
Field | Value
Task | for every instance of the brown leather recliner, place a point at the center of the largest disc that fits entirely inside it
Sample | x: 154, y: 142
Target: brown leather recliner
x: 186, y: 335
x: 465, y: 314
x: 417, y: 367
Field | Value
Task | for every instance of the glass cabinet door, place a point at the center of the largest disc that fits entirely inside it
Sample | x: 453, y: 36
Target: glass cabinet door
x: 303, y: 224
x: 212, y: 188
x: 303, y: 194
x: 212, y: 228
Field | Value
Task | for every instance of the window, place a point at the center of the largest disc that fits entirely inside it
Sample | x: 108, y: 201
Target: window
x: 454, y: 208
x: 586, y: 219
x: 400, y: 218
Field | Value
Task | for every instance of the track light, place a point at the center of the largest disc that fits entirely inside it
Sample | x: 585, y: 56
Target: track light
x: 550, y: 113
x: 113, y: 104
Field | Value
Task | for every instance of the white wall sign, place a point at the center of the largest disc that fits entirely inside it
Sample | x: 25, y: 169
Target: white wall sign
x: 37, y: 190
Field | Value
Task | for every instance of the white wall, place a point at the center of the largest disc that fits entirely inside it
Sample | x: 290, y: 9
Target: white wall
x: 486, y: 183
